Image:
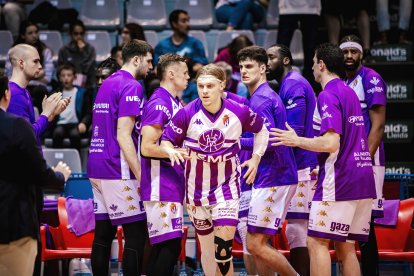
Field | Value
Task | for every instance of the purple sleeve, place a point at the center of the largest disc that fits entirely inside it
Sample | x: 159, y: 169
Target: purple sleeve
x: 40, y: 126
x: 130, y: 98
x: 252, y: 122
x: 155, y: 116
x: 296, y: 110
x: 330, y: 111
x: 176, y: 129
x: 375, y: 90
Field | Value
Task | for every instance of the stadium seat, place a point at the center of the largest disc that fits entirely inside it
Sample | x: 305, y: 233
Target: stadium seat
x: 150, y: 14
x: 60, y: 4
x: 272, y: 15
x: 67, y: 244
x: 100, y: 14
x: 296, y: 47
x: 53, y: 40
x: 270, y: 38
x: 200, y: 12
x: 200, y: 35
x: 69, y: 156
x: 78, y: 186
x: 101, y: 41
x: 223, y: 38
x: 6, y: 39
x: 151, y: 37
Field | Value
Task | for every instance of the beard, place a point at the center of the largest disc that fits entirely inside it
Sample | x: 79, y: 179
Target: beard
x: 275, y: 73
x: 353, y: 66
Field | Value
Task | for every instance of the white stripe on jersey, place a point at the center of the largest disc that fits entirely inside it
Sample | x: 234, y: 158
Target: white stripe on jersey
x: 191, y: 188
x: 155, y: 178
x: 221, y: 178
x: 124, y: 167
x: 328, y: 184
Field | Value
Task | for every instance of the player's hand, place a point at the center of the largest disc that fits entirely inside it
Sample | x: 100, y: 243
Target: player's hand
x: 63, y: 103
x: 176, y: 155
x: 63, y: 168
x: 284, y: 137
x: 49, y: 105
x: 252, y: 164
x: 314, y: 173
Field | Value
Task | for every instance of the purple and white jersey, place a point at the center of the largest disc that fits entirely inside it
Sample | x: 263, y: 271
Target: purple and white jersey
x: 277, y: 166
x: 119, y: 96
x: 345, y: 174
x: 212, y: 175
x: 300, y: 102
x: 371, y: 90
x: 160, y: 181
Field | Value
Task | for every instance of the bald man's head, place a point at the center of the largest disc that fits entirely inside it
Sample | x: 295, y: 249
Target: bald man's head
x: 25, y: 58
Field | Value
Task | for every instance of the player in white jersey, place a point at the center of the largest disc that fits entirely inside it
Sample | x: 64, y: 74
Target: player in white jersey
x: 210, y: 127
x: 162, y: 185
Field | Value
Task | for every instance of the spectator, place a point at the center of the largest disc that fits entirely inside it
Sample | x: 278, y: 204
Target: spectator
x: 14, y: 13
x: 240, y: 14
x: 333, y: 10
x: 302, y: 14
x: 19, y: 212
x: 132, y: 31
x: 73, y: 122
x: 383, y: 20
x: 39, y: 86
x: 116, y: 54
x: 81, y: 54
x: 233, y: 85
x: 181, y: 43
x: 229, y: 53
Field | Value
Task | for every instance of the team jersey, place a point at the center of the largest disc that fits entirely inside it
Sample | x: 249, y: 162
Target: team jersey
x: 277, y: 166
x: 371, y: 90
x: 159, y: 180
x: 345, y: 174
x: 213, y: 172
x: 300, y: 102
x: 120, y: 95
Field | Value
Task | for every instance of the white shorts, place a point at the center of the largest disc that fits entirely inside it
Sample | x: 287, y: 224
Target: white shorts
x: 117, y: 200
x: 242, y: 230
x: 244, y: 203
x: 340, y: 220
x: 164, y: 220
x: 268, y: 208
x: 377, y: 204
x: 204, y: 218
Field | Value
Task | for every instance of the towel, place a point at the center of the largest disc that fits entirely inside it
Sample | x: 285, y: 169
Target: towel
x: 391, y: 208
x: 81, y: 218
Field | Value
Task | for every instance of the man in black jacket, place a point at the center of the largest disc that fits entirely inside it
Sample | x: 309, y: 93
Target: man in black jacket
x: 22, y: 168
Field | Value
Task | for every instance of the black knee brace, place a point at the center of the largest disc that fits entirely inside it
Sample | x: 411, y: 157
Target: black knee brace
x: 223, y: 262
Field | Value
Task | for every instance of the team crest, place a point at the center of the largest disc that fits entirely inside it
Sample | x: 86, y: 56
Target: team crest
x: 211, y: 140
x: 226, y: 120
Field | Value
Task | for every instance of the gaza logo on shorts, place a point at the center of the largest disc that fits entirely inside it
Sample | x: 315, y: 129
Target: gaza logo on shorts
x: 177, y: 223
x: 202, y: 224
x: 211, y: 140
x: 341, y: 228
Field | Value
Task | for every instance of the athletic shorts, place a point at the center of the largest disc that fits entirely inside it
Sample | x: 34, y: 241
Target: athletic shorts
x: 268, y: 208
x: 205, y: 218
x: 377, y: 204
x: 301, y: 202
x: 117, y: 200
x: 244, y: 203
x: 340, y: 220
x: 164, y: 220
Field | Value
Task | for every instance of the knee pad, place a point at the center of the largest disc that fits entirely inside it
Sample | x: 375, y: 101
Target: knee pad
x: 223, y: 262
x: 297, y: 232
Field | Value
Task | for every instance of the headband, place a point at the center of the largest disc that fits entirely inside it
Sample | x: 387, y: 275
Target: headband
x: 208, y: 78
x: 350, y: 44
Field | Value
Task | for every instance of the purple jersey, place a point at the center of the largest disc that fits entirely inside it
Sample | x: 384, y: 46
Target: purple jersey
x: 21, y: 105
x: 347, y: 173
x: 119, y: 96
x: 160, y: 181
x: 371, y: 90
x: 300, y: 102
x: 212, y: 175
x: 277, y: 166
x: 237, y: 98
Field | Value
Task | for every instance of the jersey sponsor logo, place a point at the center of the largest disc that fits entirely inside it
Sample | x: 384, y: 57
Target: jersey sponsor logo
x: 215, y: 159
x: 211, y: 140
x: 300, y: 194
x: 175, y: 128
x: 326, y: 114
x: 269, y: 199
x: 267, y: 209
x: 96, y: 131
x: 113, y: 207
x: 324, y: 203
x: 164, y: 109
x: 126, y: 189
x: 300, y: 204
x: 100, y: 106
x: 321, y: 223
x: 198, y: 122
x: 324, y: 107
x: 132, y: 99
x: 376, y: 89
x: 266, y: 219
x: 357, y: 120
x: 131, y: 208
x: 341, y: 228
x: 322, y: 213
x: 129, y: 198
x: 374, y: 80
x: 291, y: 104
x: 149, y: 225
x: 177, y: 223
x: 162, y: 215
x: 253, y: 117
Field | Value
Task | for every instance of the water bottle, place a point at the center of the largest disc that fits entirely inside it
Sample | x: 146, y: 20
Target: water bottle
x: 80, y: 267
x: 243, y: 272
x: 182, y: 272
